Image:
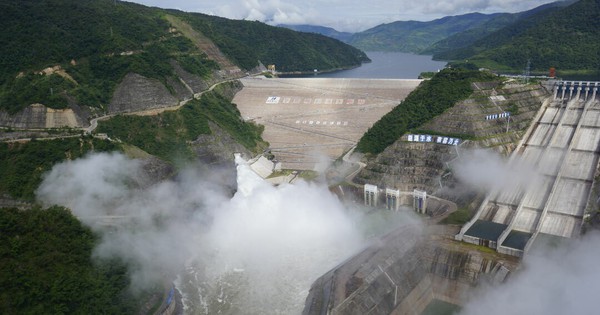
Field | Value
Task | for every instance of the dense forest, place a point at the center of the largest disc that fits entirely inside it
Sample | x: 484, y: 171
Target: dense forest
x: 46, y: 267
x: 97, y: 42
x: 565, y: 38
x: 431, y: 98
x: 415, y: 36
x: 247, y: 42
x: 561, y: 34
x: 23, y: 164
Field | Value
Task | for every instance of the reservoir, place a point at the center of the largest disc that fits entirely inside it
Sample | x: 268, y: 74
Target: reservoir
x: 388, y: 65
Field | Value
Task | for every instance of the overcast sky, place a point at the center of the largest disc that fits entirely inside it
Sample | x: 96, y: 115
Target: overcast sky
x: 343, y: 15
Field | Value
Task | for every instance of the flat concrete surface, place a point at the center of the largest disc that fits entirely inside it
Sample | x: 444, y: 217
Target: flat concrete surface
x: 564, y: 149
x: 486, y: 230
x: 309, y: 121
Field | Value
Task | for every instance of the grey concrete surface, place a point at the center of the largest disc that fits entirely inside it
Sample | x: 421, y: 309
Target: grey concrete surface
x: 310, y: 121
x: 563, y: 146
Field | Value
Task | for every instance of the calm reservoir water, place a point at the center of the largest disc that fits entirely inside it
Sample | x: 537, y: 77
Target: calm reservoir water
x: 389, y: 65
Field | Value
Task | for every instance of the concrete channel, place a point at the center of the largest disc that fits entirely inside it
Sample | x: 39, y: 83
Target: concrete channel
x: 564, y: 145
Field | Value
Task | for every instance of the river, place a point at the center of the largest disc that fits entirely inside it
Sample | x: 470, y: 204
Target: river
x: 388, y: 65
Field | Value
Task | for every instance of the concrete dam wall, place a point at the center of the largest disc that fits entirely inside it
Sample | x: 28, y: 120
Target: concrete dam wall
x: 309, y: 120
x: 403, y: 272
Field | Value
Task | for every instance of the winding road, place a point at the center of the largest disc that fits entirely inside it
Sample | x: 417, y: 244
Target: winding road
x: 153, y: 111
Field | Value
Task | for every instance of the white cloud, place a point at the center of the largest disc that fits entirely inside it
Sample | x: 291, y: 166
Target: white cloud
x: 274, y: 240
x: 350, y: 15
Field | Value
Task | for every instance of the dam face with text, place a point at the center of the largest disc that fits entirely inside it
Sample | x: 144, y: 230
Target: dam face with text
x: 311, y: 120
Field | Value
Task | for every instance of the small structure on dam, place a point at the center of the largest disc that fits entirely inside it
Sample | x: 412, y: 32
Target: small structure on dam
x: 420, y: 201
x: 371, y: 194
x: 392, y: 199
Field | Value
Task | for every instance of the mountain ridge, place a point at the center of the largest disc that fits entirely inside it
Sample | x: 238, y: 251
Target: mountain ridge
x: 97, y: 43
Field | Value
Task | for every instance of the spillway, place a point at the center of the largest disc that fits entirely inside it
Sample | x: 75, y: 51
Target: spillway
x: 564, y: 145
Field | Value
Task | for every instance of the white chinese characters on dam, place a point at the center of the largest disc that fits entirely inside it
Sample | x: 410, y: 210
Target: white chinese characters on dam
x: 316, y: 101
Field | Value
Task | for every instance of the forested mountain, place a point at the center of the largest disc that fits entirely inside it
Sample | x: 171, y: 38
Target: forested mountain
x: 431, y: 98
x: 246, y: 42
x: 415, y: 36
x: 564, y: 38
x: 98, y: 42
x: 499, y: 21
x: 323, y: 30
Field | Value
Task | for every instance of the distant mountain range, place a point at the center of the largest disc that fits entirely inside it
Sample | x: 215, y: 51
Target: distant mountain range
x: 323, y: 30
x: 563, y: 34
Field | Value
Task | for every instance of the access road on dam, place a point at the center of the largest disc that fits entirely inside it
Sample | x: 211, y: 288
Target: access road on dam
x: 309, y: 121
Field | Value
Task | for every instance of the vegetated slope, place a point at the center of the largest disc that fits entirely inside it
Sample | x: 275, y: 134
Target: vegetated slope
x: 247, y: 42
x: 428, y: 100
x: 46, y: 267
x: 323, y: 30
x: 415, y: 36
x: 564, y: 38
x: 497, y: 22
x: 168, y: 135
x: 408, y: 165
x: 23, y: 164
x: 106, y: 40
x: 97, y: 43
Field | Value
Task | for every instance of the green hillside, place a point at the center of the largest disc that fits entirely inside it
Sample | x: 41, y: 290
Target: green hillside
x: 431, y: 98
x: 497, y: 22
x: 246, y: 42
x: 23, y: 164
x: 97, y: 42
x: 415, y: 36
x: 566, y: 39
x: 166, y: 135
x: 323, y: 30
x: 46, y: 267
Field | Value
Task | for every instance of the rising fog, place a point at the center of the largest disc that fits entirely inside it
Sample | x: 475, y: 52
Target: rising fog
x: 553, y: 280
x: 558, y: 282
x: 258, y: 250
x: 487, y: 171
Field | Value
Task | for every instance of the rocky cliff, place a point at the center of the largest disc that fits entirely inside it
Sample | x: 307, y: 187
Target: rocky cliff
x: 137, y: 93
x: 38, y: 116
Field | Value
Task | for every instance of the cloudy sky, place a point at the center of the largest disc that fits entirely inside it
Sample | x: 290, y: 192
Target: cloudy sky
x: 343, y: 15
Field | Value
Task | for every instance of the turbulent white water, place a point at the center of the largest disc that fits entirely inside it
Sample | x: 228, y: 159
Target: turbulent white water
x: 257, y: 252
x: 266, y: 246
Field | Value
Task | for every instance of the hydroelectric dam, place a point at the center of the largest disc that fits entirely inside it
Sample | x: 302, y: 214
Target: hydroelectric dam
x: 309, y: 120
x: 407, y: 270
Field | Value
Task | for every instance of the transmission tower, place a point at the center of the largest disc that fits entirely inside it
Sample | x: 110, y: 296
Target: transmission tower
x: 527, y: 71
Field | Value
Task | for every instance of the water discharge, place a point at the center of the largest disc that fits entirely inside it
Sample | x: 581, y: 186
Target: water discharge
x: 254, y: 253
x: 266, y: 246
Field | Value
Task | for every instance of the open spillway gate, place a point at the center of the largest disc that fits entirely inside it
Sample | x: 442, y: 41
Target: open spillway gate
x: 563, y: 144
